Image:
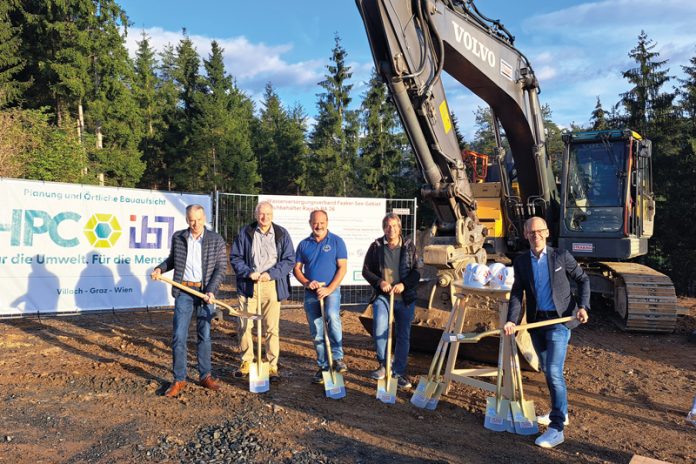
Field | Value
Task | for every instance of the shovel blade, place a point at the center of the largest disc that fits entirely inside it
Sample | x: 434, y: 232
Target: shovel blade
x: 387, y: 393
x: 435, y: 398
x: 424, y: 391
x: 494, y: 420
x: 334, y: 387
x: 258, y: 377
x: 505, y: 414
x: 524, y: 424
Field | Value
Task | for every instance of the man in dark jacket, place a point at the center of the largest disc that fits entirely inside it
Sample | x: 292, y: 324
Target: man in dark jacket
x: 262, y: 253
x: 391, y: 266
x: 542, y: 275
x: 198, y: 257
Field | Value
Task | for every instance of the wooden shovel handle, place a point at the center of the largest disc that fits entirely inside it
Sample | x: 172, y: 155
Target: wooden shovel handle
x: 533, y: 325
x: 230, y: 310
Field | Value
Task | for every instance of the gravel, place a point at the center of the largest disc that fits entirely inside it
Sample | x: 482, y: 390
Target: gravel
x: 239, y: 439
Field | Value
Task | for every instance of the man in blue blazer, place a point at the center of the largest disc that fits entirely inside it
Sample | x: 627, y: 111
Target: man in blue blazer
x: 543, y: 276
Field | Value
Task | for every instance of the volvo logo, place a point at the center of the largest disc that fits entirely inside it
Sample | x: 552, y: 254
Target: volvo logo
x: 474, y: 46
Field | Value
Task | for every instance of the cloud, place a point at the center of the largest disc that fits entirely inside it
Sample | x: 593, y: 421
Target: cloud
x: 580, y: 52
x: 251, y: 64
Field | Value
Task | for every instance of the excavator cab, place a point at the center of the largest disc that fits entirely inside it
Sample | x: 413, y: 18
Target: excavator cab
x: 607, y: 202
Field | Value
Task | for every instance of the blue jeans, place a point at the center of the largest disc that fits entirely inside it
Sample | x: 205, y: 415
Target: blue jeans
x: 183, y: 311
x: 403, y: 316
x: 551, y: 344
x: 332, y: 308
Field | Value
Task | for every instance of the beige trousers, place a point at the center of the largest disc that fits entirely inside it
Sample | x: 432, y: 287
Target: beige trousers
x: 270, y: 311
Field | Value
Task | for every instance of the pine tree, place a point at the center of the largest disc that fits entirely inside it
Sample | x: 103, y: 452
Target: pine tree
x: 650, y: 110
x: 167, y: 96
x: 11, y: 62
x: 598, y: 120
x: 112, y: 113
x: 146, y: 87
x: 221, y: 138
x: 332, y: 157
x: 645, y: 103
x: 182, y: 168
x: 279, y: 145
x: 387, y: 167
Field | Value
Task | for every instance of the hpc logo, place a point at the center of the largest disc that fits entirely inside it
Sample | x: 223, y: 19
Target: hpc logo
x: 102, y: 230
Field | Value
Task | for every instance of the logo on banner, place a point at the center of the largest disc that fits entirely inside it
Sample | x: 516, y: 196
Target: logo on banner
x: 150, y: 237
x: 102, y: 230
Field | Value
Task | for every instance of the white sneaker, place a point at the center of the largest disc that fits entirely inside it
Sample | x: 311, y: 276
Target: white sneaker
x: 546, y: 419
x: 549, y: 439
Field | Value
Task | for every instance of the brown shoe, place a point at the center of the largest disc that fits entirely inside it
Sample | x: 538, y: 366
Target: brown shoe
x: 175, y: 388
x: 209, y: 382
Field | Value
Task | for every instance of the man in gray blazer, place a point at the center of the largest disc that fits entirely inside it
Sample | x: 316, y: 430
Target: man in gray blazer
x: 543, y: 276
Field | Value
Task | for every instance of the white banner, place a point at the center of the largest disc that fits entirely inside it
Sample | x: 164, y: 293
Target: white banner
x: 358, y: 221
x: 67, y: 247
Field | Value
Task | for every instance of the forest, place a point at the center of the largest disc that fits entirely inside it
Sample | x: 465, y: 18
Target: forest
x: 75, y: 107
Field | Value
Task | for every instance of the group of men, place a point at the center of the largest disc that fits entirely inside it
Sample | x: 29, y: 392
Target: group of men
x: 263, y: 257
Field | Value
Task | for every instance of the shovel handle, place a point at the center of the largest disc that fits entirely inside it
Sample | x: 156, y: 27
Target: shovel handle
x: 327, y: 343
x: 533, y: 325
x: 259, y: 329
x: 230, y: 310
x: 387, y: 361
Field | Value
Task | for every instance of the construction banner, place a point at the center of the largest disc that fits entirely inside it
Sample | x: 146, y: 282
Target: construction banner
x: 71, y: 247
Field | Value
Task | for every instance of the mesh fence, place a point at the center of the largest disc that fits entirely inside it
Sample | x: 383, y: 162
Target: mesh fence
x: 234, y: 210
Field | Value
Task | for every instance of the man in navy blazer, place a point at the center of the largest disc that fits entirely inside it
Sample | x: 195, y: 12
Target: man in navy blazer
x: 543, y: 276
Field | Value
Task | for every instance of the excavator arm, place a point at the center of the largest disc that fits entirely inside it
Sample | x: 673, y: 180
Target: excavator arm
x: 412, y: 43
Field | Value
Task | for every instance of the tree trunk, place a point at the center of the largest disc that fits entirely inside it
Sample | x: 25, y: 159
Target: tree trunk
x: 80, y: 121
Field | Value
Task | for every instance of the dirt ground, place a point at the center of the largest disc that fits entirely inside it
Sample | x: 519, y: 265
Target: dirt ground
x: 89, y: 389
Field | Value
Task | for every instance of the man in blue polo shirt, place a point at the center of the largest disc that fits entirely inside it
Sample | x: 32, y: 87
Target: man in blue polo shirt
x: 321, y: 263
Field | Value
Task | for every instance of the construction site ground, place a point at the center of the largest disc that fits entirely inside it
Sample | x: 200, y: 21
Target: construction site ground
x: 89, y: 389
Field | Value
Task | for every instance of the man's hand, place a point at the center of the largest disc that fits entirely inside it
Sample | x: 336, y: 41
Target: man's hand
x: 323, y: 292
x: 156, y: 274
x: 314, y: 285
x: 209, y: 297
x: 384, y: 286
x: 509, y: 328
x: 582, y: 315
x: 255, y: 276
x: 398, y: 289
x: 265, y: 277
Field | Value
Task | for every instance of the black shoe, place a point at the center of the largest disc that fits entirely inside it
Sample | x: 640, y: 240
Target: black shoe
x: 340, y: 366
x: 403, y: 382
x: 318, y: 377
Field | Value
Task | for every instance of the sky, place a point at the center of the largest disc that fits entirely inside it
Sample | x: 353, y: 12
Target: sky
x: 578, y: 49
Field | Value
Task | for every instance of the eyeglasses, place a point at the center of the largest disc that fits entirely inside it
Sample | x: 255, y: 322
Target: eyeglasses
x: 539, y: 232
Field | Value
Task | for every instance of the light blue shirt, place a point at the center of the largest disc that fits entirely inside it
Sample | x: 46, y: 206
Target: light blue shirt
x: 194, y: 261
x: 542, y: 282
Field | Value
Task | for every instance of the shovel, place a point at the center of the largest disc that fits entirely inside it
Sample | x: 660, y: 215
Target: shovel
x: 523, y: 414
x: 259, y: 370
x: 423, y: 396
x: 231, y: 311
x: 498, y: 416
x: 386, y: 387
x: 334, y: 386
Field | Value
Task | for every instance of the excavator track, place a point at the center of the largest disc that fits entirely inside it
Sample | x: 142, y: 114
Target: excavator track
x: 644, y: 298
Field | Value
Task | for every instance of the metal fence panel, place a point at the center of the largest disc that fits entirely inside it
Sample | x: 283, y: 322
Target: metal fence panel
x: 234, y: 210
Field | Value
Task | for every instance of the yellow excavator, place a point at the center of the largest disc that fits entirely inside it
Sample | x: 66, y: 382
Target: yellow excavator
x: 602, y: 210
